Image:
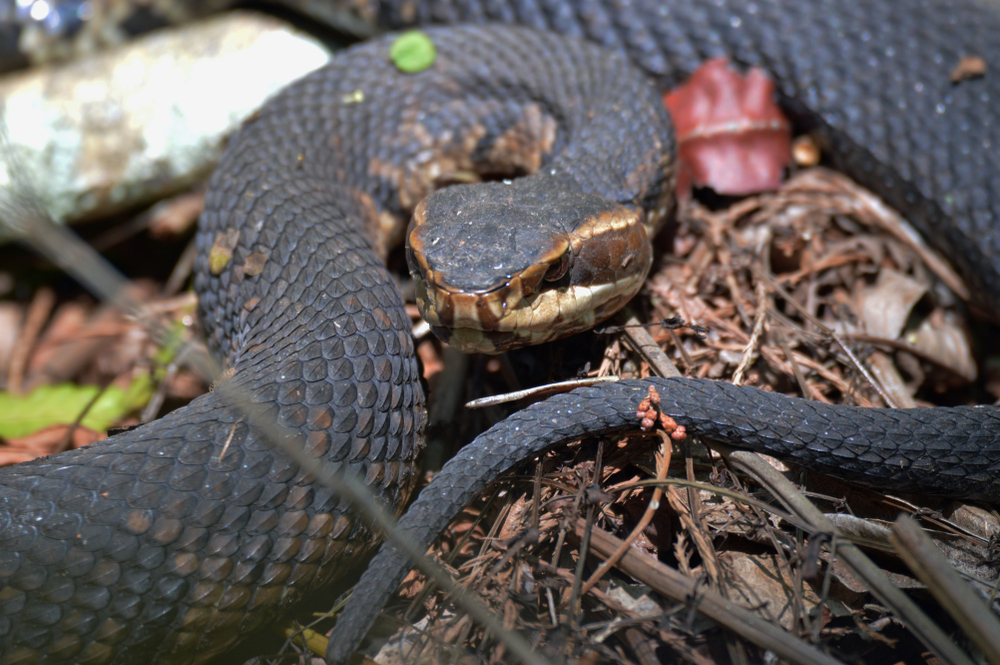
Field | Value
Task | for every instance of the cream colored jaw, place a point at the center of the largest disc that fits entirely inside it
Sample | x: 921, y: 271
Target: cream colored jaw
x: 542, y: 317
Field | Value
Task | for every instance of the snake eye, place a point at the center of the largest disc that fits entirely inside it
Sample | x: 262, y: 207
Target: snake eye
x: 558, y: 269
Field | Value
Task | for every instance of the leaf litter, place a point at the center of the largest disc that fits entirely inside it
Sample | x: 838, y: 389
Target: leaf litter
x: 72, y: 368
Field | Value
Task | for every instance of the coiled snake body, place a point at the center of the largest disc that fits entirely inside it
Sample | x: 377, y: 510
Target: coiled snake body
x: 170, y: 543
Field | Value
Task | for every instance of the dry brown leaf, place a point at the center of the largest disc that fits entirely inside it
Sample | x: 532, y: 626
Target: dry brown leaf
x: 763, y: 581
x: 47, y: 441
x: 886, y: 306
x: 941, y: 338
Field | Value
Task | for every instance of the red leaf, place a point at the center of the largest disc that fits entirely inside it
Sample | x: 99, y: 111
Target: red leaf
x: 731, y: 134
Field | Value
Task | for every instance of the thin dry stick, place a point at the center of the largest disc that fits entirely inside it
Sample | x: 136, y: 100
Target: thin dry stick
x: 35, y: 318
x: 67, y: 440
x: 749, y: 353
x: 644, y: 344
x: 575, y: 595
x: 697, y: 534
x: 662, y: 465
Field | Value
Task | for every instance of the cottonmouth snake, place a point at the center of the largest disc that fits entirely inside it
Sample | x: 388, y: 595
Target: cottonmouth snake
x: 157, y: 546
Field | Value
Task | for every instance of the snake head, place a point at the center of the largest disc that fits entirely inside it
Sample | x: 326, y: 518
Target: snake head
x: 506, y: 264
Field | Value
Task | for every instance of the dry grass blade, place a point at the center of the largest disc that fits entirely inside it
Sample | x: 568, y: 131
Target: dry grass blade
x: 947, y: 586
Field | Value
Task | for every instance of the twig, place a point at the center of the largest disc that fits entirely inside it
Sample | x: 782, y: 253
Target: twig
x: 538, y: 392
x: 644, y: 344
x: 34, y: 320
x: 576, y: 594
x: 749, y: 355
x: 662, y: 465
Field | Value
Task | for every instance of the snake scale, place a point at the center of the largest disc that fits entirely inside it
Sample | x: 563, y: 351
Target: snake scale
x: 172, y: 542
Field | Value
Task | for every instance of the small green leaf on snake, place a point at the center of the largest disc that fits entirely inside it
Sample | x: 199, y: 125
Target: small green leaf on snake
x: 412, y: 52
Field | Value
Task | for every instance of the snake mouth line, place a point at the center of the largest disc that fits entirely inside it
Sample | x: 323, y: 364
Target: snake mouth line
x: 543, y: 317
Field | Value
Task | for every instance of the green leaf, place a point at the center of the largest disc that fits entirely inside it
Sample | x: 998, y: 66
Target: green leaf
x: 412, y: 52
x: 62, y: 404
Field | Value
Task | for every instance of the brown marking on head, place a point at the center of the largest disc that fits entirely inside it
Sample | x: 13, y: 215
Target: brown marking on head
x: 432, y: 166
x: 525, y: 145
x: 568, y: 288
x: 607, y: 246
